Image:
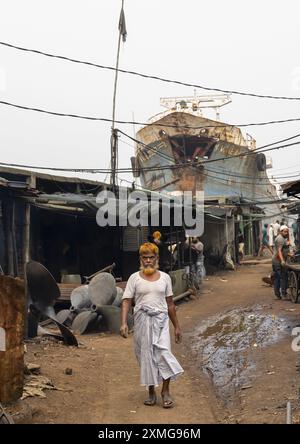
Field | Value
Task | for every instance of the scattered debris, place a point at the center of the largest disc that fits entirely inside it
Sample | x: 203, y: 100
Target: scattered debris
x: 5, y: 418
x: 30, y: 369
x: 245, y: 387
x: 268, y: 280
x: 69, y: 371
x: 35, y: 385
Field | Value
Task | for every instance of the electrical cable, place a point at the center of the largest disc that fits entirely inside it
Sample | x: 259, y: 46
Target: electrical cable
x: 128, y: 122
x: 135, y: 73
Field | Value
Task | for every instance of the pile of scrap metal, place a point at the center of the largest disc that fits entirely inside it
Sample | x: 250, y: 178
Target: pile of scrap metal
x: 95, y: 307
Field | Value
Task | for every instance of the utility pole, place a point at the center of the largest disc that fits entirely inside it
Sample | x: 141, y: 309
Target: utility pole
x: 114, y: 136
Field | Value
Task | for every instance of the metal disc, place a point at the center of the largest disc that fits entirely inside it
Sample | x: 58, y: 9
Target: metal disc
x: 69, y: 338
x: 118, y: 299
x: 65, y: 317
x: 80, y: 297
x: 112, y: 318
x: 102, y: 289
x: 84, y: 322
x: 42, y: 287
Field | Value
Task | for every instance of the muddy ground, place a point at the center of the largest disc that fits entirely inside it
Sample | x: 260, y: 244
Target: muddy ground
x: 236, y: 353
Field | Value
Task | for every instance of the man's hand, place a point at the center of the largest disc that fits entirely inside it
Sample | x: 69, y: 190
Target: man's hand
x: 178, y: 335
x: 283, y: 263
x: 124, y: 330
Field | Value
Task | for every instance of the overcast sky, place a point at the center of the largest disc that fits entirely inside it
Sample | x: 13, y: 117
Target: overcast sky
x: 250, y: 46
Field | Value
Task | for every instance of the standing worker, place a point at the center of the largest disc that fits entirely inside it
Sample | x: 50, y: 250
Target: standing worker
x: 152, y: 290
x: 157, y: 239
x: 271, y: 237
x: 281, y: 253
x: 265, y: 241
x: 276, y: 228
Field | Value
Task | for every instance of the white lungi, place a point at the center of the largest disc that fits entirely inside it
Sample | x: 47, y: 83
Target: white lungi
x: 153, y: 347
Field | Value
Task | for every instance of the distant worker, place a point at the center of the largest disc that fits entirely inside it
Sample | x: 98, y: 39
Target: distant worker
x: 265, y: 241
x: 198, y: 246
x: 157, y: 239
x: 295, y: 232
x: 276, y: 228
x: 241, y: 245
x: 190, y: 256
x: 281, y: 253
x: 271, y: 237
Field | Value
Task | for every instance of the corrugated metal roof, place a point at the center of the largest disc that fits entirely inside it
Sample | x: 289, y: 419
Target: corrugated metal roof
x: 48, y: 176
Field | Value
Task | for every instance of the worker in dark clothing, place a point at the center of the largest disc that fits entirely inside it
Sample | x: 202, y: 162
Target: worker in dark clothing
x: 281, y: 253
x: 156, y: 239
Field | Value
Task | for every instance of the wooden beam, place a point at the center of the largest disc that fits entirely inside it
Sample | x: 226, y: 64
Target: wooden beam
x: 26, y: 248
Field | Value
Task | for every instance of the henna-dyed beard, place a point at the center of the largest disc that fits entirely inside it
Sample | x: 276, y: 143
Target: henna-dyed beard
x: 148, y: 271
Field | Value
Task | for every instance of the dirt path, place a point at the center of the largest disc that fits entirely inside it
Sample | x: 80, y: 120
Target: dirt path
x: 104, y: 385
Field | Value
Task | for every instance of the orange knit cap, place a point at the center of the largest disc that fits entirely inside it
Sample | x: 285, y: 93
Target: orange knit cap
x: 147, y: 248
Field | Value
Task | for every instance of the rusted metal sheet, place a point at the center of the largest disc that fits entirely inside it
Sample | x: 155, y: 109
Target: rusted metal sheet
x: 173, y: 124
x: 12, y: 317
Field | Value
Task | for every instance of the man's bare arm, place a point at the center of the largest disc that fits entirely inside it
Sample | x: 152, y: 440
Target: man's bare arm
x: 280, y: 255
x: 126, y: 304
x: 173, y: 317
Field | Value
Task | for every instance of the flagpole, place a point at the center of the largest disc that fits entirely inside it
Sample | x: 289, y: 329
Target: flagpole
x: 114, y: 136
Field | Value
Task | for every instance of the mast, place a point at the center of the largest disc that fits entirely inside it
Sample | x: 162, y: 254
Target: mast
x: 114, y: 136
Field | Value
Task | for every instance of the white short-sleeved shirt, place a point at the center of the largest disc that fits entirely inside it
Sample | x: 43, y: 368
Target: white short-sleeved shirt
x: 150, y: 293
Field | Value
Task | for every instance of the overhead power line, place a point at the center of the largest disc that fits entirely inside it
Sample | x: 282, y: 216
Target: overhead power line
x: 229, y: 172
x: 247, y: 153
x: 147, y: 76
x: 125, y: 122
x: 129, y: 169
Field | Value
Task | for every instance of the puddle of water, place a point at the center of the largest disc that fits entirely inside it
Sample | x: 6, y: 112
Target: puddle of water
x: 227, y: 343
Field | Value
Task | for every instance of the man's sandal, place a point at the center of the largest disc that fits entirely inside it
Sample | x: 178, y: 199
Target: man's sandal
x: 167, y: 401
x: 150, y: 401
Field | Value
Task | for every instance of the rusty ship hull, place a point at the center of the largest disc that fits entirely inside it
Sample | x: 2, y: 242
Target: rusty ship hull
x: 183, y: 152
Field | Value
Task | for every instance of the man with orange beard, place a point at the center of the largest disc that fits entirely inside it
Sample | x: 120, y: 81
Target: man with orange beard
x: 152, y: 291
